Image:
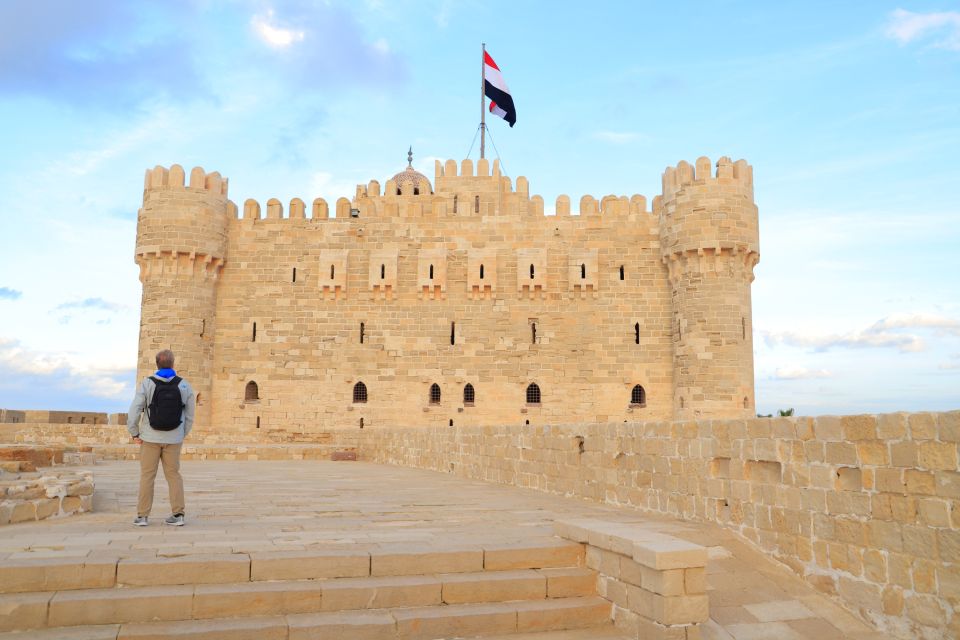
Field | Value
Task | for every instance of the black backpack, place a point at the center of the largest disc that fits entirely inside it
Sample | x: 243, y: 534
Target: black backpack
x: 166, y: 407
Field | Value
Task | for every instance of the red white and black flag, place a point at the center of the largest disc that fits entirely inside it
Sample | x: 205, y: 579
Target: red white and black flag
x: 501, y: 102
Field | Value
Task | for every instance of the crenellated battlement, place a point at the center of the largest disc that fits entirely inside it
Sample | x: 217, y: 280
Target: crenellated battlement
x: 174, y: 178
x: 727, y: 173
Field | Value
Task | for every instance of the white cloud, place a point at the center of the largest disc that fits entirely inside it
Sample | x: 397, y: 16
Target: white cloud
x: 907, y: 26
x: 382, y: 46
x: 890, y: 332
x: 850, y: 340
x: 954, y: 363
x: 800, y: 373
x: 919, y: 321
x: 274, y: 35
x: 66, y: 371
x: 617, y: 137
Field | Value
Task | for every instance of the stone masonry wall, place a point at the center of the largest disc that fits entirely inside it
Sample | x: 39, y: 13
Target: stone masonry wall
x: 866, y: 508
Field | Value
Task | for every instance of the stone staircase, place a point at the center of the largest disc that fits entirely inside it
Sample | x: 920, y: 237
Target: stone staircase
x: 311, y: 594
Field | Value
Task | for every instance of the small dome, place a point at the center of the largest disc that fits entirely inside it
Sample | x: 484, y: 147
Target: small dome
x: 410, y: 181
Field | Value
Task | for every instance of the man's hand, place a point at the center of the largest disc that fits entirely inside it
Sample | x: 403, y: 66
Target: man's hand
x: 137, y: 441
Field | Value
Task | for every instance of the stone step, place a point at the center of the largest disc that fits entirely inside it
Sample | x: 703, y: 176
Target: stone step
x: 130, y: 604
x: 417, y: 623
x: 62, y: 574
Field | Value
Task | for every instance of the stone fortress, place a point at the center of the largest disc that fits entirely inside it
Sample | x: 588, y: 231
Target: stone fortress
x: 322, y: 338
x: 456, y: 302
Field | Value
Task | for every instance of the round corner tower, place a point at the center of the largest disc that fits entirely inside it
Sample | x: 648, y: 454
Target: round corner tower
x: 709, y: 242
x: 181, y: 247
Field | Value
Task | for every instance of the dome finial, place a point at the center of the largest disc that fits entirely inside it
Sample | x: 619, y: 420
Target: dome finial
x: 410, y: 156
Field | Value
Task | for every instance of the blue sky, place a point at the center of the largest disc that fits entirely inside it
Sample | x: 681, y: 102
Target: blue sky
x: 849, y: 112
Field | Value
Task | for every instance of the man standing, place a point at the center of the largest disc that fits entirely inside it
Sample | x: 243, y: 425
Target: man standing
x: 160, y: 417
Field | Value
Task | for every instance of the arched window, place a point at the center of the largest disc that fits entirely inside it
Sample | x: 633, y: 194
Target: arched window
x: 468, y: 394
x: 359, y: 392
x: 431, y: 272
x: 638, y: 396
x: 434, y: 393
x: 476, y: 204
x: 636, y: 333
x: 621, y: 272
x: 252, y: 392
x: 583, y: 271
x: 746, y: 402
x: 533, y: 393
x: 198, y: 399
x: 531, y: 272
x: 383, y: 271
x: 481, y: 272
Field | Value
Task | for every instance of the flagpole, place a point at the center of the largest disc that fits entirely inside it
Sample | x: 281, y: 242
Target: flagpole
x: 483, y: 86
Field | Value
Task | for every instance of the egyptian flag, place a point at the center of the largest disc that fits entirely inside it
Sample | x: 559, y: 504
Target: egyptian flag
x: 501, y: 103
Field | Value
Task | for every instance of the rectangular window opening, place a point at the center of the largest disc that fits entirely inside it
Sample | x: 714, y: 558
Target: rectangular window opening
x: 294, y: 274
x: 362, y: 331
x: 254, y: 337
x: 453, y: 333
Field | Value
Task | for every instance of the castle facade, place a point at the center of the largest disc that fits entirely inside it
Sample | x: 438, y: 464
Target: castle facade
x: 452, y: 303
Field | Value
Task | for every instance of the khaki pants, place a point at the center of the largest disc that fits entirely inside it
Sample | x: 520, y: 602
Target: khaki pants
x: 150, y: 454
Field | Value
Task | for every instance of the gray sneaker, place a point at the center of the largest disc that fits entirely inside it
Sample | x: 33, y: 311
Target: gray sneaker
x: 140, y: 521
x: 175, y: 520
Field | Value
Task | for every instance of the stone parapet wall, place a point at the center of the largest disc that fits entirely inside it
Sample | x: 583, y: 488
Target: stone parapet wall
x: 865, y: 508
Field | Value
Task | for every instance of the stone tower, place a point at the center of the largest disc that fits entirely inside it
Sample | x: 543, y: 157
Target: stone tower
x: 181, y: 247
x: 709, y: 241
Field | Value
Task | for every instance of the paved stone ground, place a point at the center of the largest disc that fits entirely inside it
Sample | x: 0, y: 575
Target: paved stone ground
x: 290, y: 505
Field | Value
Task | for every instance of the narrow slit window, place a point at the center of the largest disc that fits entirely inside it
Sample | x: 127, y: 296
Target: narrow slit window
x: 453, y: 333
x: 476, y: 204
x: 531, y: 272
x: 251, y: 393
x: 533, y: 333
x: 746, y: 402
x: 198, y: 399
x: 431, y: 272
x: 636, y: 333
x: 383, y: 271
x: 638, y: 396
x: 454, y: 204
x: 258, y: 422
x: 362, y: 332
x: 434, y: 393
x: 533, y: 393
x: 583, y: 272
x: 361, y: 423
x: 359, y: 392
x: 332, y: 271
x: 254, y: 337
x: 203, y: 326
x: 743, y: 327
x: 481, y: 272
x: 469, y: 395
x: 294, y: 274
x: 621, y: 272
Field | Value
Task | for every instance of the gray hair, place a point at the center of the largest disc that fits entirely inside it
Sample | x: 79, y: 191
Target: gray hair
x: 165, y: 359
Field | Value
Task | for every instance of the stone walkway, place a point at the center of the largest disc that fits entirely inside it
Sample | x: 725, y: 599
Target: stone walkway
x: 246, y: 507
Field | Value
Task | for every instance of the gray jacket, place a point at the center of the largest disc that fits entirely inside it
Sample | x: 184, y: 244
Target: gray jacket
x: 138, y: 424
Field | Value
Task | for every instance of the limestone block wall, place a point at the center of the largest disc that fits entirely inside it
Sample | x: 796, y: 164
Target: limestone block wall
x: 410, y: 309
x: 865, y: 508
